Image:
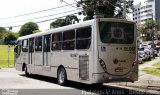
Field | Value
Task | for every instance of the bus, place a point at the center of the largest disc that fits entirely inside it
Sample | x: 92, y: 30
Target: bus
x: 96, y: 51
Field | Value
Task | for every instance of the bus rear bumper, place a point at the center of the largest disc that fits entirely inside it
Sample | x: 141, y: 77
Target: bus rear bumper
x: 105, y: 78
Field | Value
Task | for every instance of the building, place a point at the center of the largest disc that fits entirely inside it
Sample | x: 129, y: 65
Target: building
x: 147, y: 10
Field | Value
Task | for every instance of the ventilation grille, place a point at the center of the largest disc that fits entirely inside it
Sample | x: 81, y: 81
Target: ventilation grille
x: 83, y: 67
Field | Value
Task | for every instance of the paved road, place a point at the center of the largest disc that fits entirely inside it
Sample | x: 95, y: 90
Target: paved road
x: 13, y: 82
x: 145, y: 80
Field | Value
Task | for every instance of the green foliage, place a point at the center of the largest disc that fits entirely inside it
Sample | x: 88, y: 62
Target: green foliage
x: 28, y: 28
x: 141, y: 29
x: 57, y: 23
x: 2, y: 31
x: 144, y: 29
x: 149, y: 24
x: 145, y: 39
x: 109, y: 8
x: 63, y: 22
x: 36, y: 31
x: 8, y: 37
x: 153, y: 71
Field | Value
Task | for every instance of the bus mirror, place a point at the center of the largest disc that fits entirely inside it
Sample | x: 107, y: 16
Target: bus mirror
x: 16, y: 49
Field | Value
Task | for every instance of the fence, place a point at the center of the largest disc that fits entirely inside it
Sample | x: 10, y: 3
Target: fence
x: 6, y: 56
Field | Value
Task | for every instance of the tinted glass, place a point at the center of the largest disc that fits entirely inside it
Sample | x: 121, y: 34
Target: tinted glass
x: 116, y: 32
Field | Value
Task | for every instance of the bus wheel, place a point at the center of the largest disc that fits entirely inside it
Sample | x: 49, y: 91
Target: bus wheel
x: 62, y: 76
x: 26, y: 72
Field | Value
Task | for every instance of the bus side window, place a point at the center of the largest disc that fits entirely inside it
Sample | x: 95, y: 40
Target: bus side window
x: 56, y: 41
x: 19, y: 47
x: 38, y: 44
x: 83, y: 38
x: 46, y: 43
x: 68, y: 40
x: 25, y: 45
x: 31, y: 45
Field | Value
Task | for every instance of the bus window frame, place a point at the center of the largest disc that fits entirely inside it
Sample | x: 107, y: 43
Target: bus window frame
x: 57, y: 41
x: 84, y: 38
x: 38, y: 49
x: 69, y: 40
x: 32, y: 49
x: 48, y: 47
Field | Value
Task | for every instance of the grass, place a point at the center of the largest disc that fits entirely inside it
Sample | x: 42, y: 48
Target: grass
x: 157, y: 64
x: 4, y: 56
x: 153, y: 71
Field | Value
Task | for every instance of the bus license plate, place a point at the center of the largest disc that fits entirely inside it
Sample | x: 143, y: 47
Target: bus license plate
x: 119, y: 69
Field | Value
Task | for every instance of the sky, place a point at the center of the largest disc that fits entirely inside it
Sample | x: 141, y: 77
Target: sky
x: 11, y: 9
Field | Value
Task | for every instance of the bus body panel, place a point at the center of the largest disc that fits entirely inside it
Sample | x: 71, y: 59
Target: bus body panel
x: 115, y: 62
x: 83, y: 65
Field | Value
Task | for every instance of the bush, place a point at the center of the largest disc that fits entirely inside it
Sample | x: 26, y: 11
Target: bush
x: 9, y: 37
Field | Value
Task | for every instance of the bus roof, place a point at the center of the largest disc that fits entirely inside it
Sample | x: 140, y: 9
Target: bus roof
x: 70, y: 27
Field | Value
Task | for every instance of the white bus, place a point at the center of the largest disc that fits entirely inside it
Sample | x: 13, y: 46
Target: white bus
x: 93, y: 52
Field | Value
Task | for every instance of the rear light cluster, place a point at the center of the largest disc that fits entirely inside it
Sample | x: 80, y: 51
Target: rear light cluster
x: 103, y: 65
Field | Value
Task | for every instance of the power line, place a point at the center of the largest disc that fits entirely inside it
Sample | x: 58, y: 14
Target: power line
x: 41, y: 17
x: 36, y: 12
x: 41, y: 21
x: 76, y: 1
x: 70, y: 4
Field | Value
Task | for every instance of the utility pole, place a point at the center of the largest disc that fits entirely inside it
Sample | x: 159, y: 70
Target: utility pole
x: 152, y: 28
x: 124, y: 9
x: 152, y: 36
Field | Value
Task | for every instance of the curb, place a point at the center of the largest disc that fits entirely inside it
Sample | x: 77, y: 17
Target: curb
x: 139, y: 85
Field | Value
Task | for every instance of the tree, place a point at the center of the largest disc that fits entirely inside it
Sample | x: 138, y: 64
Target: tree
x: 28, y: 28
x: 8, y: 37
x: 63, y: 22
x: 149, y: 24
x: 36, y: 31
x: 141, y: 29
x: 147, y: 29
x: 2, y: 31
x: 109, y: 8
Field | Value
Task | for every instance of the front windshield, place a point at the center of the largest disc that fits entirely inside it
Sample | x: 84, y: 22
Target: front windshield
x: 116, y: 32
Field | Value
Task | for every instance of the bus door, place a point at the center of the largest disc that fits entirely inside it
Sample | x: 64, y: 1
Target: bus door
x: 24, y: 54
x: 18, y: 55
x: 38, y: 54
x: 46, y: 50
x: 31, y: 51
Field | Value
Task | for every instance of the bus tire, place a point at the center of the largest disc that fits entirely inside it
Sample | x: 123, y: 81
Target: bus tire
x: 96, y: 85
x: 61, y: 76
x: 26, y: 71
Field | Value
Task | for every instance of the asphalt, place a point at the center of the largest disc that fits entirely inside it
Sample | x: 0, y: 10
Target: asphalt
x: 146, y: 81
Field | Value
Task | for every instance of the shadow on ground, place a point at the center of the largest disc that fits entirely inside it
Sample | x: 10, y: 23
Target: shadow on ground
x: 91, y: 89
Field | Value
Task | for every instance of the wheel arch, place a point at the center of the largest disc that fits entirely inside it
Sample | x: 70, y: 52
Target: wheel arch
x: 23, y: 66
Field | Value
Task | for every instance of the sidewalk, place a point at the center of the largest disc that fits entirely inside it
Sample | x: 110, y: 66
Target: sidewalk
x: 145, y: 81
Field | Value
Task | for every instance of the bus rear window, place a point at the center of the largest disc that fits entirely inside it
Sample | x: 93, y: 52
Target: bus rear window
x: 116, y: 32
